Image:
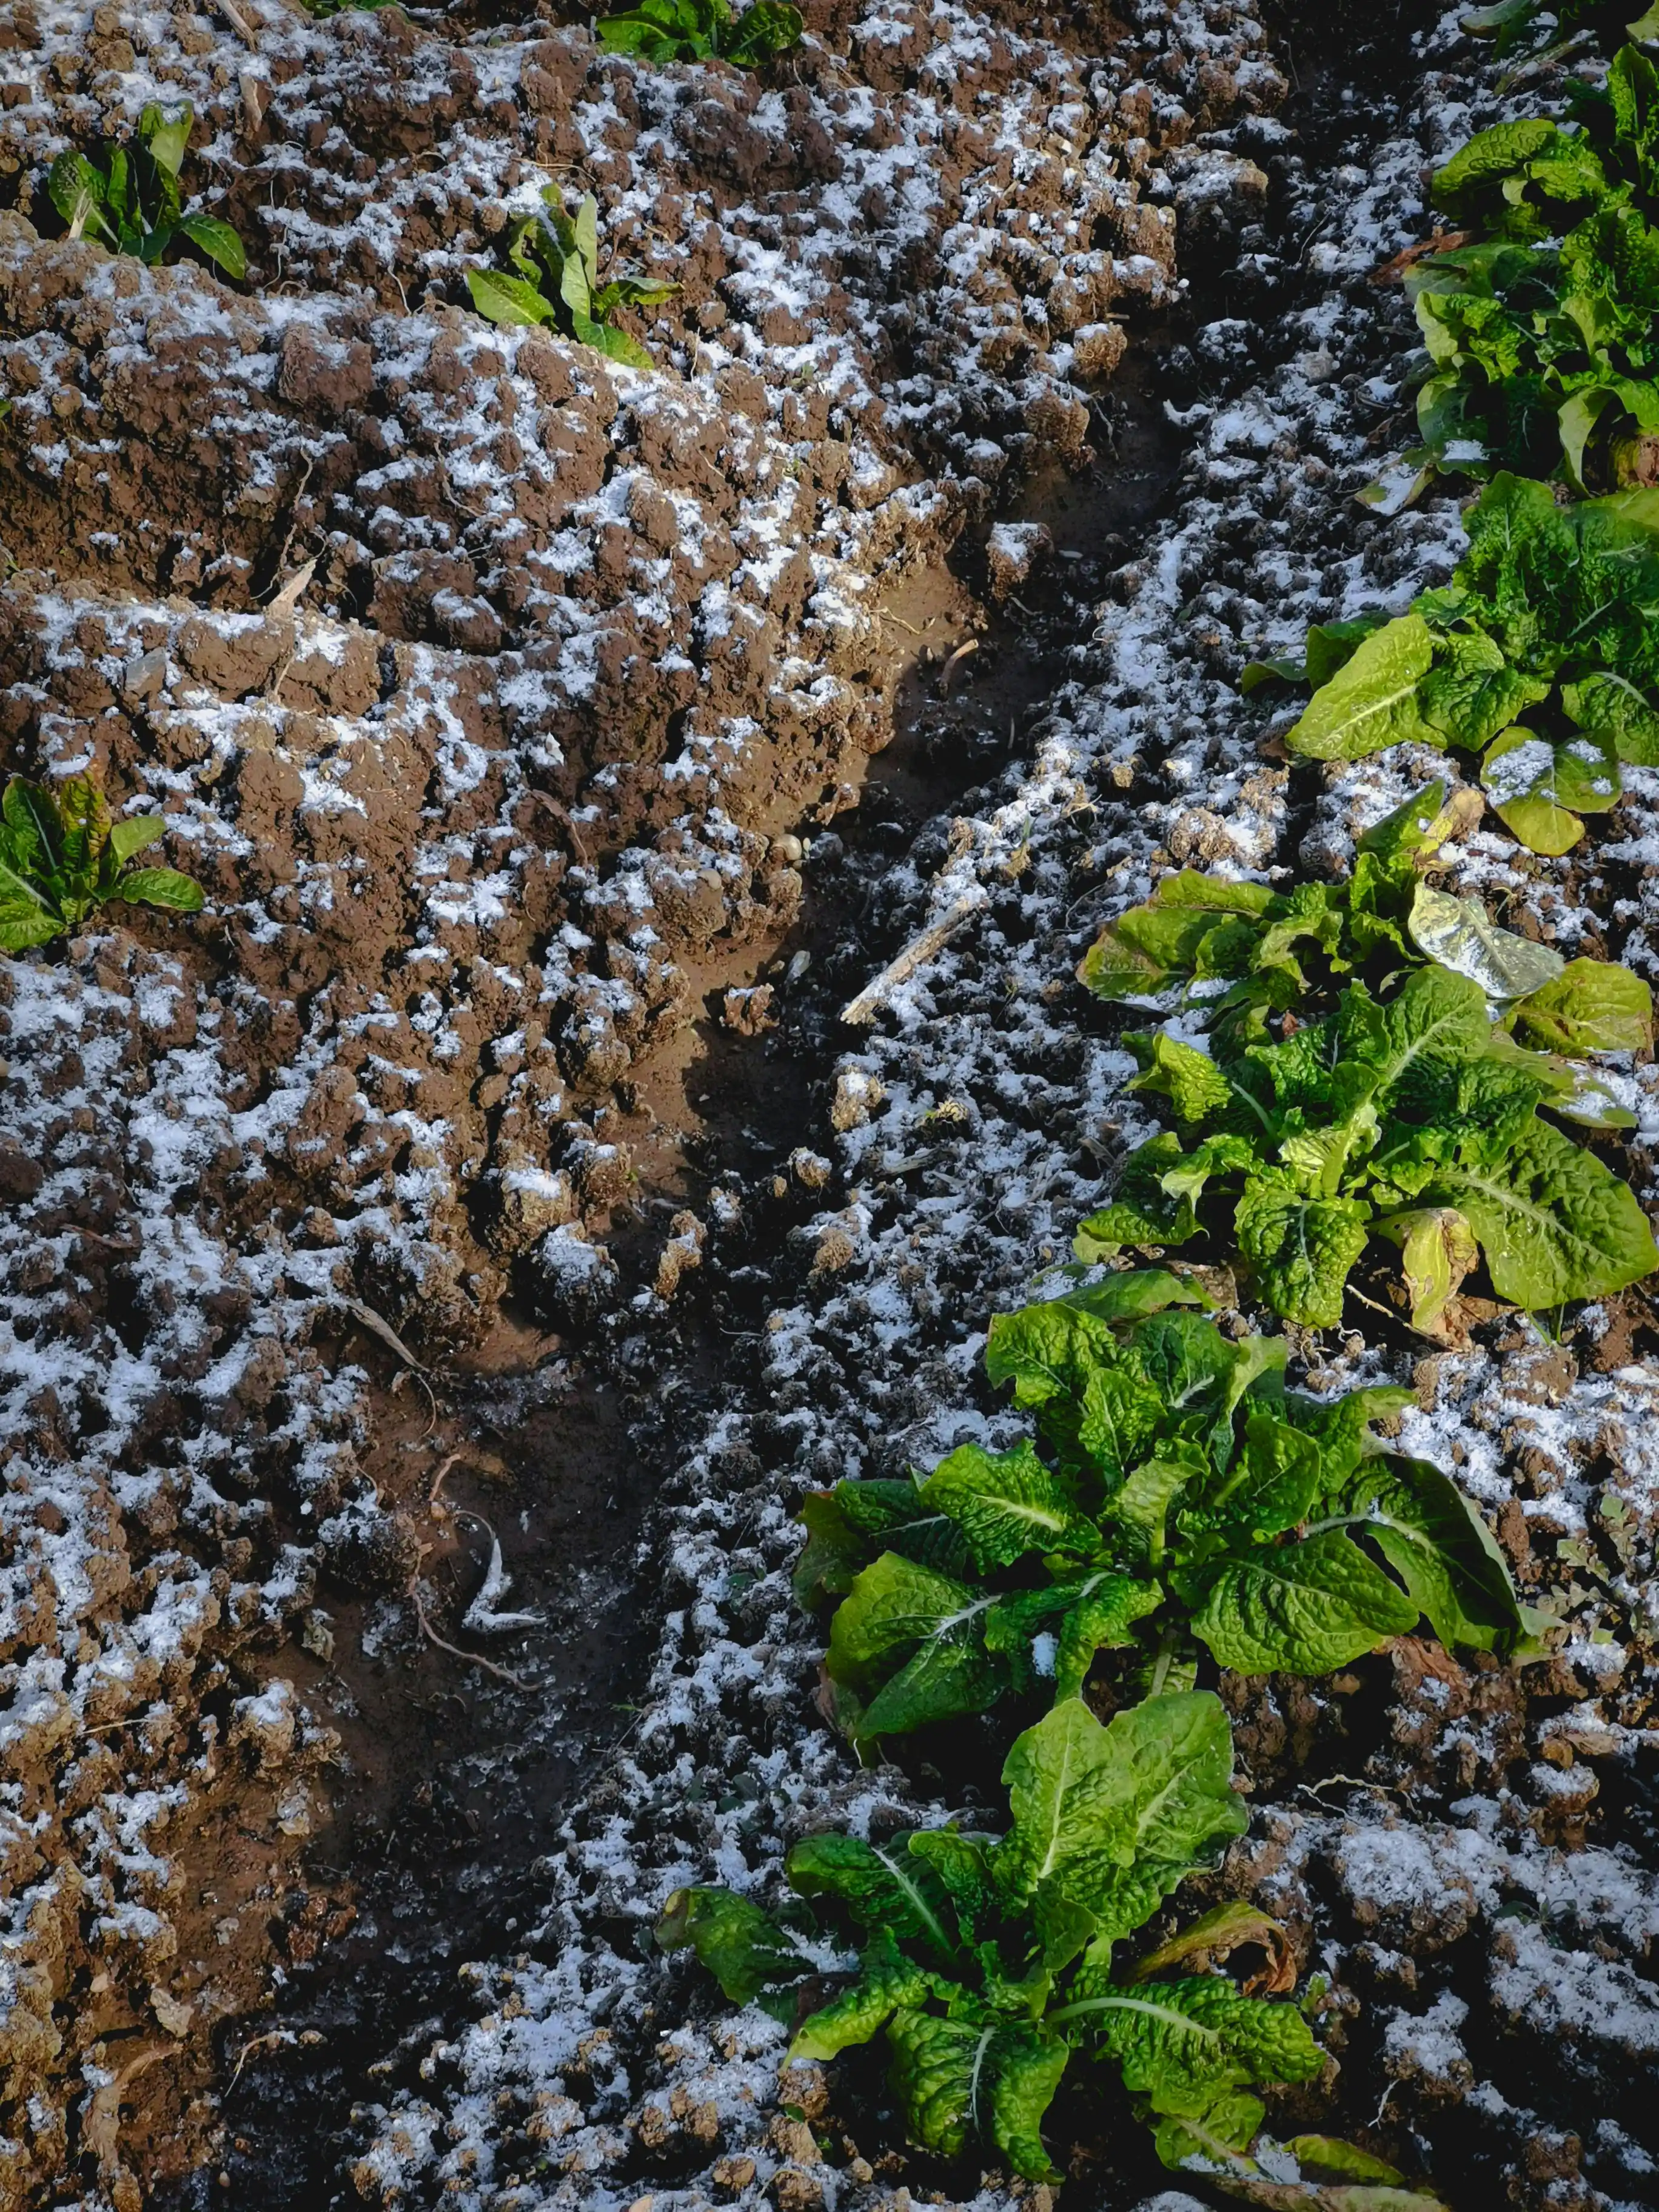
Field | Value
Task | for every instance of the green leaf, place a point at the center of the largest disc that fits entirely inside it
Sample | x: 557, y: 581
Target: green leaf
x: 1472, y: 691
x: 1328, y: 2158
x: 1618, y: 710
x: 882, y: 1885
x: 1189, y: 1079
x: 1143, y: 1211
x: 164, y: 887
x: 1372, y: 700
x: 885, y: 1983
x: 1535, y: 785
x: 1554, y: 1224
x: 1437, y: 1250
x: 1274, y: 1481
x: 899, y: 1615
x: 959, y: 2078
x: 1458, y: 933
x: 1300, y: 1608
x: 1148, y: 1793
x: 134, y: 832
x: 1442, y: 1550
x: 1300, y: 1250
x: 1005, y: 1503
x: 217, y: 240
x: 1216, y: 2138
x: 1180, y: 2043
x: 770, y: 27
x: 744, y: 1950
x: 1589, y: 1006
x: 505, y: 300
x: 78, y: 192
x: 166, y: 138
x: 1131, y: 1293
x: 1490, y: 155
x: 1100, y: 1614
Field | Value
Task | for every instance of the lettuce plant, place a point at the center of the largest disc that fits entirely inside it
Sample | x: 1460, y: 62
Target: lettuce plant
x: 62, y: 857
x: 553, y: 277
x: 132, y: 201
x: 1182, y: 1492
x: 989, y: 1963
x: 1539, y: 324
x: 702, y: 30
x: 1414, y: 1116
x: 1245, y: 952
x: 1548, y: 617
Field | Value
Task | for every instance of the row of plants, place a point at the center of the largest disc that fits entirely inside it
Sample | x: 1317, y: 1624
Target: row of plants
x: 128, y: 197
x: 1373, y: 1059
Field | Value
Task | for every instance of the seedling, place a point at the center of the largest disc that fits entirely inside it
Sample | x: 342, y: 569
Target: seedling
x: 554, y: 278
x: 132, y: 200
x: 1182, y: 1493
x: 990, y: 1963
x: 62, y: 857
x: 702, y: 30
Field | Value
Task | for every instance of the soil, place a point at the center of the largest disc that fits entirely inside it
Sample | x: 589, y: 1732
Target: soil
x: 499, y: 1118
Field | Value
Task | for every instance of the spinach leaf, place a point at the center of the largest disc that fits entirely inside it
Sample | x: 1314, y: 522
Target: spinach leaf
x: 702, y: 30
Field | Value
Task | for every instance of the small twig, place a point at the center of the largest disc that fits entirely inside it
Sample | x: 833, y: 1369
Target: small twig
x: 253, y: 89
x: 920, y: 949
x: 240, y: 23
x: 969, y: 645
x: 376, y: 1325
x: 273, y: 2041
x: 440, y: 1508
x: 473, y: 1658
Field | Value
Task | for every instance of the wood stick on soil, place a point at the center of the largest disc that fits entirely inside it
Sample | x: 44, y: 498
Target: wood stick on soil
x: 920, y: 949
x: 240, y: 23
x: 473, y: 1658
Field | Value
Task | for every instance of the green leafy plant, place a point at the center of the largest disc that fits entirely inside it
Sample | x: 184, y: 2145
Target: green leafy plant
x: 132, y: 200
x: 1245, y: 952
x: 62, y: 857
x: 989, y: 1963
x: 322, y: 11
x: 702, y: 30
x: 1411, y: 1116
x: 553, y: 277
x: 1538, y: 320
x: 1546, y: 616
x: 1185, y: 1494
x: 1537, y: 31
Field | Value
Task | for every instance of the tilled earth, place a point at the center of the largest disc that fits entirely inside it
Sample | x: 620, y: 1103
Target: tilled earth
x: 490, y: 1166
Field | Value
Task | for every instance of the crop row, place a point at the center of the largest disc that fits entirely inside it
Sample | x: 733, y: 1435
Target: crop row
x: 1368, y: 1059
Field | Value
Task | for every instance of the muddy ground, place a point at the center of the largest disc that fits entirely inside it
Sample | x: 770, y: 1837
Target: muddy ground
x: 491, y: 1164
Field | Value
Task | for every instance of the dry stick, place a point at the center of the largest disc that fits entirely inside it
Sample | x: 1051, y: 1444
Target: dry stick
x: 920, y: 949
x: 277, y: 2037
x: 240, y: 23
x: 969, y: 645
x: 376, y: 1325
x: 473, y: 1658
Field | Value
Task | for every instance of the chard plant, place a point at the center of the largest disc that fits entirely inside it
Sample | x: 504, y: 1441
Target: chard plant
x: 702, y: 30
x: 1181, y: 1496
x: 552, y: 277
x: 1548, y: 617
x: 1540, y: 322
x: 989, y: 1962
x: 131, y: 199
x: 62, y: 858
